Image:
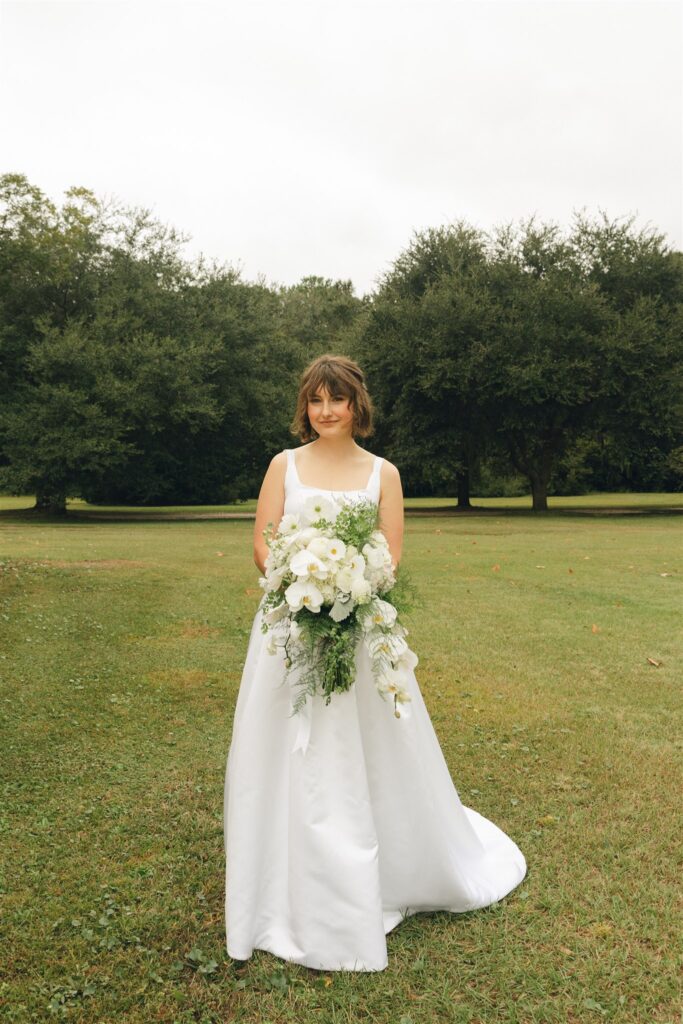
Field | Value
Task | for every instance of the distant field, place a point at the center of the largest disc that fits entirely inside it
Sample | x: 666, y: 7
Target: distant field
x: 551, y: 661
x: 603, y: 501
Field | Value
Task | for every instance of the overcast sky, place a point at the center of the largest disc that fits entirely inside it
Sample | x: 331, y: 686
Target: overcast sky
x: 291, y: 138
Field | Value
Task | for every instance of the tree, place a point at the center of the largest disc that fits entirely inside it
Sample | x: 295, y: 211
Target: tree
x: 419, y: 338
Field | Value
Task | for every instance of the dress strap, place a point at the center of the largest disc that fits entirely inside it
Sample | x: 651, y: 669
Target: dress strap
x: 374, y: 478
x: 291, y: 468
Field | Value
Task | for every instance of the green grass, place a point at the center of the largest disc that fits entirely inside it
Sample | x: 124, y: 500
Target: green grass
x: 121, y: 649
x: 603, y: 501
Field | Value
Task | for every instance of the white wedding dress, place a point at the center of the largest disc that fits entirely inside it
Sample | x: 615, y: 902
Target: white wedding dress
x: 341, y: 823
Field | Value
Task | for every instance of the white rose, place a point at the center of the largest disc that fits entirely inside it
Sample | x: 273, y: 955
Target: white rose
x: 375, y: 556
x: 360, y: 588
x: 344, y: 580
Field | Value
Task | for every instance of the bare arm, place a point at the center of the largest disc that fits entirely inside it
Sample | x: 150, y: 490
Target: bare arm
x: 391, y: 510
x: 270, y: 506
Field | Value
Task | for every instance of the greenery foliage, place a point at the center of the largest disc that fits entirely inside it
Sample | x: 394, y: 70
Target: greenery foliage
x: 525, y: 356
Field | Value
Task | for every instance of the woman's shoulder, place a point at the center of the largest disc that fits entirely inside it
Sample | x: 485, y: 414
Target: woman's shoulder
x: 279, y: 459
x: 388, y: 469
x: 277, y: 468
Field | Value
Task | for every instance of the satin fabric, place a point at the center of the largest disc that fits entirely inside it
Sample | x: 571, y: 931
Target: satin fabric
x: 328, y: 848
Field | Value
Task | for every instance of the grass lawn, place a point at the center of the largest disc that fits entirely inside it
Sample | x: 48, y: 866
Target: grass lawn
x: 551, y: 659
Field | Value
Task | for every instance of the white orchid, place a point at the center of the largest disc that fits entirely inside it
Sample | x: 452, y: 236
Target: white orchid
x: 391, y: 680
x: 275, y: 614
x: 381, y: 613
x: 356, y: 564
x: 305, y: 535
x: 318, y: 546
x: 274, y: 578
x: 303, y: 594
x: 305, y: 563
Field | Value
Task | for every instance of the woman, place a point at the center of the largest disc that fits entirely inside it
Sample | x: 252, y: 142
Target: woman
x: 342, y: 822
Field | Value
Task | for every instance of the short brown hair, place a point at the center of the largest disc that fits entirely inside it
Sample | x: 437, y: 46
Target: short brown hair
x: 338, y: 375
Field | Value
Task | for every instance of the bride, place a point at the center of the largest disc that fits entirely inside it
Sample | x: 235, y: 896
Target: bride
x: 341, y: 821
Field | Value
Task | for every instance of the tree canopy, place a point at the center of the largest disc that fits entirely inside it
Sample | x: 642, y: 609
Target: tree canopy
x: 130, y: 374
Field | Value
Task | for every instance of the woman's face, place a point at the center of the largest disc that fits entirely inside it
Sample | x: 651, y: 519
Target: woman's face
x: 331, y: 415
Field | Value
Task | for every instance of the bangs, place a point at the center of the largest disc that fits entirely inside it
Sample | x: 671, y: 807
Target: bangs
x: 327, y: 378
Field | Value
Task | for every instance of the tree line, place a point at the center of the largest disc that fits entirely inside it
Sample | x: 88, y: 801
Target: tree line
x: 547, y: 358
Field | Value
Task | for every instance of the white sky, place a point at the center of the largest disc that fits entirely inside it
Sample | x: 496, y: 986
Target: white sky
x: 292, y: 138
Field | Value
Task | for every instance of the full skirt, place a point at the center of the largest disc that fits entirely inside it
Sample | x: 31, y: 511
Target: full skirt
x: 329, y: 849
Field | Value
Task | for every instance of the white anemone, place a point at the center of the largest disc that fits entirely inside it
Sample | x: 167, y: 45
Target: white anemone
x: 289, y: 524
x: 336, y: 549
x: 318, y: 507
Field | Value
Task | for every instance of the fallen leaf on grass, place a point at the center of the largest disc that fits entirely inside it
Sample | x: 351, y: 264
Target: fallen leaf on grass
x: 547, y: 819
x: 595, y: 629
x: 653, y: 661
x: 496, y: 568
x: 666, y: 574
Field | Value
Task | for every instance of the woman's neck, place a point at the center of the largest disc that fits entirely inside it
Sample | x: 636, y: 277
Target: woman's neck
x: 335, y: 446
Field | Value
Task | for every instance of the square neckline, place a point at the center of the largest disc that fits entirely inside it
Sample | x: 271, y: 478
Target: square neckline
x: 329, y: 490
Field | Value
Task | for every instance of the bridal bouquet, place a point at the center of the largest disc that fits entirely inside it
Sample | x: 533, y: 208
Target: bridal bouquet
x: 327, y: 576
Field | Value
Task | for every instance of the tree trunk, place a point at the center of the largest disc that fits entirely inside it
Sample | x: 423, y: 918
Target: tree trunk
x: 539, y: 492
x: 463, y: 480
x: 53, y: 504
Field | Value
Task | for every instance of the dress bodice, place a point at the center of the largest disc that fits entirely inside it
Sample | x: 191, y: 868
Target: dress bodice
x: 297, y: 493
